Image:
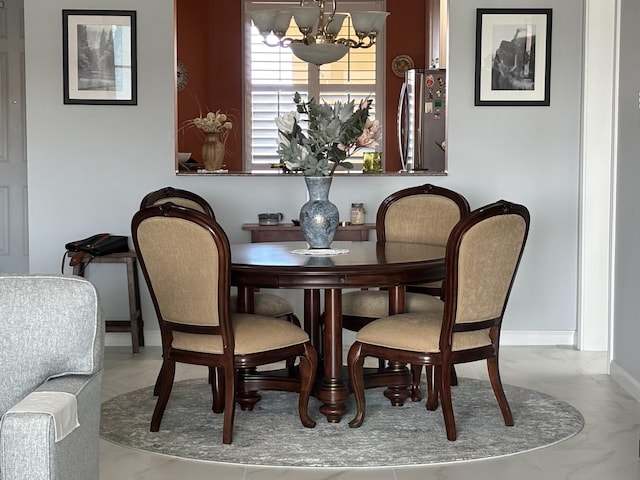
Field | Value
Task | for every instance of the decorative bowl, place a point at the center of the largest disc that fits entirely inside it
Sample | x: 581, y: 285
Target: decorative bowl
x: 269, y: 218
x: 183, y: 157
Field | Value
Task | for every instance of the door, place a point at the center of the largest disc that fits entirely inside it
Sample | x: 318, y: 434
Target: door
x: 14, y: 252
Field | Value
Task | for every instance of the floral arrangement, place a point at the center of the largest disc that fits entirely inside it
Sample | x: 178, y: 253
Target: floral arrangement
x: 213, y: 123
x: 334, y: 133
x: 215, y: 127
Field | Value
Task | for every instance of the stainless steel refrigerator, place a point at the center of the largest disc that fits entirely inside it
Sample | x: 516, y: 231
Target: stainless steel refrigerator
x: 422, y: 120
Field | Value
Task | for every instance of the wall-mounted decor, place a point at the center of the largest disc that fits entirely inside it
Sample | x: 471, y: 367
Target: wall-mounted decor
x: 513, y: 56
x: 99, y: 57
x: 182, y: 76
x: 401, y: 64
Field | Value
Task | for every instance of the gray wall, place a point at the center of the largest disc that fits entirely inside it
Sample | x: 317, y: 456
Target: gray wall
x: 627, y: 230
x: 89, y: 166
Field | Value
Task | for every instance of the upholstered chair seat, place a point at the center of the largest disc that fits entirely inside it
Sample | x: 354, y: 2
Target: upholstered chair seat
x: 252, y: 334
x: 267, y: 304
x: 417, y: 332
x: 375, y: 303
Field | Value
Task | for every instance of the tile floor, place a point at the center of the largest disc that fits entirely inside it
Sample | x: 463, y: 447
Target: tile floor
x: 607, y: 447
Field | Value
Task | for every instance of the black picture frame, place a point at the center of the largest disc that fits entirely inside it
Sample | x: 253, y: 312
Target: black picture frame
x: 513, y: 56
x: 99, y: 57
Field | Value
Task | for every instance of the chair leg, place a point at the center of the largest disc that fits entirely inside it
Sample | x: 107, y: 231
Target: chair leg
x: 432, y: 393
x: 216, y: 379
x: 164, y: 385
x: 496, y: 384
x: 356, y: 364
x: 308, y: 367
x: 156, y: 388
x: 454, y: 376
x: 416, y: 394
x: 229, y: 404
x: 165, y: 355
x: 432, y: 390
x: 291, y: 362
x: 443, y: 378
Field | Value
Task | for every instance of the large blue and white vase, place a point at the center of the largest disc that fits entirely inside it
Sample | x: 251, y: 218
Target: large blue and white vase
x: 319, y: 217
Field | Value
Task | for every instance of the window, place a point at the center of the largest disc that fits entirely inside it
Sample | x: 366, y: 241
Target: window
x: 274, y: 74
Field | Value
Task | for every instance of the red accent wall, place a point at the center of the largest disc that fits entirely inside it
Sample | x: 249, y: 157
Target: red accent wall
x: 210, y: 46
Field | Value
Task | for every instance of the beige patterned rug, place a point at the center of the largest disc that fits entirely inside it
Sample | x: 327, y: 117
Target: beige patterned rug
x: 391, y: 436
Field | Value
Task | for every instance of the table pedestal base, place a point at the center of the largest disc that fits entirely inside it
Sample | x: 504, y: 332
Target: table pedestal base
x: 333, y: 393
x: 332, y: 388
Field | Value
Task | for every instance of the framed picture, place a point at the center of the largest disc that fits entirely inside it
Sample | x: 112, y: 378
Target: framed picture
x: 513, y: 56
x: 99, y: 57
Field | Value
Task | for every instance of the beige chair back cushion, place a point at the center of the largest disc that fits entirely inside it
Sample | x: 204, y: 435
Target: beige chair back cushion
x: 421, y: 218
x: 484, y: 278
x: 165, y: 244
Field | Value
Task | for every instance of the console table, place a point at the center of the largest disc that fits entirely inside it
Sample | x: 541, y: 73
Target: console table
x: 288, y: 232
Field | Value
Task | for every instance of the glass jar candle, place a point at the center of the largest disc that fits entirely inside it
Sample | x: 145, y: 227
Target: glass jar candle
x: 357, y: 213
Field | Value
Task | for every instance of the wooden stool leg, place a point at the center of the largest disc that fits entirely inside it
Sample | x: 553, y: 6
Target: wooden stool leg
x: 133, y: 312
x: 136, y: 292
x: 78, y: 268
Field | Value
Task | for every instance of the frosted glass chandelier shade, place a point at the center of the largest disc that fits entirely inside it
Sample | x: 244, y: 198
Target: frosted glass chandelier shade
x: 319, y: 53
x: 306, y: 17
x: 319, y: 29
x: 366, y: 22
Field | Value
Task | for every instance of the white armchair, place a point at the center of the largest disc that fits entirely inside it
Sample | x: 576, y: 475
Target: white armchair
x: 51, y: 358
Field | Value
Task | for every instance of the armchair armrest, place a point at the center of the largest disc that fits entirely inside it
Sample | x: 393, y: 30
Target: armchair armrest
x: 28, y: 447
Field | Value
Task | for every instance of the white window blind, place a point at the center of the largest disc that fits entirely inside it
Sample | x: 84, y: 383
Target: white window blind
x: 274, y: 74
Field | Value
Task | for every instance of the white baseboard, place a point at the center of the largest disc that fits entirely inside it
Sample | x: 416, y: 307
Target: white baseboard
x: 538, y: 337
x: 626, y: 381
x: 508, y: 337
x: 151, y: 339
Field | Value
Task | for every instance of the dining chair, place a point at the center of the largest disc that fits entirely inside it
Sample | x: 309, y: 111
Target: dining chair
x: 178, y: 196
x: 421, y: 214
x: 191, y: 297
x: 482, y: 256
x: 264, y: 303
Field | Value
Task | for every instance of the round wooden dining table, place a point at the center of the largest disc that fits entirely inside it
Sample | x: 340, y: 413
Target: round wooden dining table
x: 391, y: 265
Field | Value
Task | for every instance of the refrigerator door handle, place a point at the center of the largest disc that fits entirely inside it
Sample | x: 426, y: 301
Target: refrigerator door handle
x: 402, y: 132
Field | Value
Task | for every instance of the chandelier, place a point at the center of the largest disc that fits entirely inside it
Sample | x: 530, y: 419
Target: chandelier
x: 319, y: 29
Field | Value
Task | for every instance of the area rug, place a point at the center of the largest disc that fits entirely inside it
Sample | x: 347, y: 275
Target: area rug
x: 272, y: 435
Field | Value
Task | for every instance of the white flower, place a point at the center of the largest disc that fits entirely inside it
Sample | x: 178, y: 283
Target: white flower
x: 282, y: 138
x: 287, y: 122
